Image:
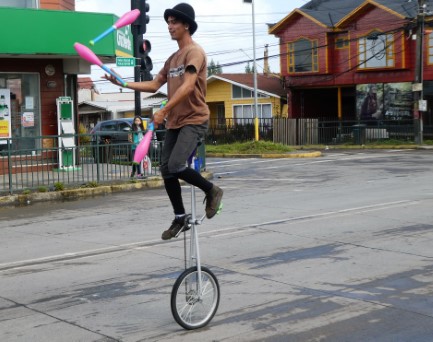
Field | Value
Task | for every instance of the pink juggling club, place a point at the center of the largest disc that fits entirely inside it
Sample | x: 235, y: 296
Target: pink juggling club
x: 88, y: 55
x: 143, y: 146
x: 126, y: 19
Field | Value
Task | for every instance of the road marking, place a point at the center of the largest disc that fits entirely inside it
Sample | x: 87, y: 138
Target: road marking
x: 212, y: 233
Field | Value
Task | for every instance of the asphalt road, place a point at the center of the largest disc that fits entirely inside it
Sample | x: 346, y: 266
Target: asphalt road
x: 336, y: 248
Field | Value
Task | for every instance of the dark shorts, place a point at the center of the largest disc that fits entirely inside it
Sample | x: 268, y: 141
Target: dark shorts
x: 179, y: 144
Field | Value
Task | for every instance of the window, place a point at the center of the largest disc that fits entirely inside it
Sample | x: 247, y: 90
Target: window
x: 342, y: 42
x: 20, y: 3
x: 242, y: 112
x: 25, y: 119
x: 243, y: 93
x: 376, y: 51
x: 303, y: 56
x: 430, y: 48
x: 109, y: 126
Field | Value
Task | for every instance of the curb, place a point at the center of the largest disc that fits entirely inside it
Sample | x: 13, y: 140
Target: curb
x: 71, y: 194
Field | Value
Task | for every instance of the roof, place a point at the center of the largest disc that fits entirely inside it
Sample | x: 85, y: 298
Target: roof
x: 265, y: 83
x: 331, y: 12
x: 122, y: 106
x: 85, y: 83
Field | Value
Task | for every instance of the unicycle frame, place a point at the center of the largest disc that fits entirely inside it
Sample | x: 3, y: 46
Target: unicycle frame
x: 195, y: 294
x: 194, y: 250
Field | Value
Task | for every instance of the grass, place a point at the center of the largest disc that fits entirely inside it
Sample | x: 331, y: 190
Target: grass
x: 263, y: 147
x: 249, y: 147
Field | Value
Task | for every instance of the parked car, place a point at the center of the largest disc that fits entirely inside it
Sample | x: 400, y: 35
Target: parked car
x: 110, y: 140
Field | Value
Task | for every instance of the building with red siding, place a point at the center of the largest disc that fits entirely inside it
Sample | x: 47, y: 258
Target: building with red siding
x: 358, y: 60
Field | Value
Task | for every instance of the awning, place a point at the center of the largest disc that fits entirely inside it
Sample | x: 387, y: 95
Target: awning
x: 36, y: 33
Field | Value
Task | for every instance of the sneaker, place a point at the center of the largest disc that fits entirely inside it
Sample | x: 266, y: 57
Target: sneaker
x: 175, y: 228
x: 213, y: 201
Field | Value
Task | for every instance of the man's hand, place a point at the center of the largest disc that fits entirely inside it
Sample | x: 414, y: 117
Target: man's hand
x: 112, y: 79
x: 159, y: 116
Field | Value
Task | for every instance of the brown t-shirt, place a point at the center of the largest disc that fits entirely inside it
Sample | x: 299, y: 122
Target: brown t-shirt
x: 194, y: 110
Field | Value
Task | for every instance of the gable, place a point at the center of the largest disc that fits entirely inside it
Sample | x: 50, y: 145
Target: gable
x: 364, y: 8
x: 291, y: 20
x: 267, y: 85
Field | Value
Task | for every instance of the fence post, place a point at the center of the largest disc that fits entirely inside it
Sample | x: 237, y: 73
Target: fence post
x: 10, y: 166
x: 97, y: 158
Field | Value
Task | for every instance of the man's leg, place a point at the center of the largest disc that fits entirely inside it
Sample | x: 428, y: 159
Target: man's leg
x: 171, y: 181
x: 186, y: 143
x: 172, y: 186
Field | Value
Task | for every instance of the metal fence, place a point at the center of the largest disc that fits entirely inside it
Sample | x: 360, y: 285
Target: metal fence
x: 314, y: 131
x: 39, y: 164
x: 326, y: 132
x: 228, y: 131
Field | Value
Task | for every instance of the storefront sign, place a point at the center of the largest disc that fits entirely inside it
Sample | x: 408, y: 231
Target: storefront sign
x: 5, y: 114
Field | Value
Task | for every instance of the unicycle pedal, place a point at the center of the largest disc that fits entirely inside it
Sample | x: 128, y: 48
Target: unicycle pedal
x: 187, y: 225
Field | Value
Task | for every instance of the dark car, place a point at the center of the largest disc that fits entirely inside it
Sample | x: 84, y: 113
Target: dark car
x: 111, y: 141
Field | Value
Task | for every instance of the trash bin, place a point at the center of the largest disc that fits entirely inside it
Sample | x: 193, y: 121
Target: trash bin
x: 359, y: 134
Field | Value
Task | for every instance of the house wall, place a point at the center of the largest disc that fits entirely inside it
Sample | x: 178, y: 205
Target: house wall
x: 338, y: 67
x: 221, y: 92
x: 48, y: 95
x: 378, y: 19
x: 302, y: 27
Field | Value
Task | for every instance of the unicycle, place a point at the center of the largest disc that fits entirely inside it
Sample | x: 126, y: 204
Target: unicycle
x: 195, y: 295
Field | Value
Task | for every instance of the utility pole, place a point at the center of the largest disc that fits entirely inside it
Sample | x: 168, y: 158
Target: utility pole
x: 256, y: 106
x: 419, y: 67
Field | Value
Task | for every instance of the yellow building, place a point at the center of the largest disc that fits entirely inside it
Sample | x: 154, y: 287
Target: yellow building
x: 230, y: 98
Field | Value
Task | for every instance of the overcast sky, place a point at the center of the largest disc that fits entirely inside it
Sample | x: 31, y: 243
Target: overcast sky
x: 224, y: 31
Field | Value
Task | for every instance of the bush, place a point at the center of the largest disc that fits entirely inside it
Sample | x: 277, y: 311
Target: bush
x: 84, y: 136
x: 59, y: 186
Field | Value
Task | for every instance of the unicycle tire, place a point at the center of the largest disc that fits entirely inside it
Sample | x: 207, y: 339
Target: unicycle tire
x: 190, y: 309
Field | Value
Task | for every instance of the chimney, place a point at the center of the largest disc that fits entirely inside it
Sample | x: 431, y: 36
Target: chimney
x: 266, y: 70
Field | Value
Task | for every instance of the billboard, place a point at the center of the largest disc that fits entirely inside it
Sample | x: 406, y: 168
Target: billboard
x: 384, y: 101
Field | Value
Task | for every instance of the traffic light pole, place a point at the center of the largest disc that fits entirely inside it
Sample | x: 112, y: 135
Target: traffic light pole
x: 140, y: 53
x: 137, y: 78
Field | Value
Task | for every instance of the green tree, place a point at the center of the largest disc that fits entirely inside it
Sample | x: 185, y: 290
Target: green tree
x: 248, y: 69
x: 213, y: 68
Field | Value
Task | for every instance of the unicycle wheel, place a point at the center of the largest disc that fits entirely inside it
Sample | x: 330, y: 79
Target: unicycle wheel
x: 192, y: 308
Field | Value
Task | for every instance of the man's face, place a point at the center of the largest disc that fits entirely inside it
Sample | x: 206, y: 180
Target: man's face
x: 176, y: 28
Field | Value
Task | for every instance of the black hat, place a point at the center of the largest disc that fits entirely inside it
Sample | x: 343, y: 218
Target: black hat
x: 183, y: 12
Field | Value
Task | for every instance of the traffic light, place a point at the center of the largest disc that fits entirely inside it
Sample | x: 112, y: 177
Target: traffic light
x: 146, y: 65
x: 139, y: 26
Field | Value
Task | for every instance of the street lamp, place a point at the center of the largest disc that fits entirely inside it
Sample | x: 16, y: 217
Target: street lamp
x: 256, y: 107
